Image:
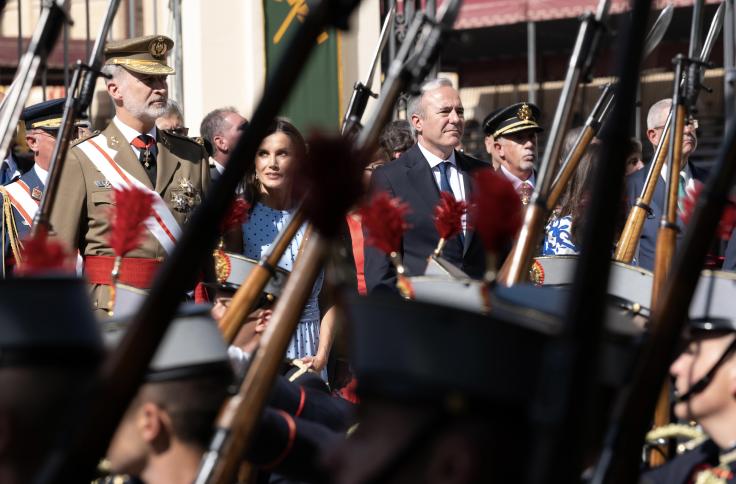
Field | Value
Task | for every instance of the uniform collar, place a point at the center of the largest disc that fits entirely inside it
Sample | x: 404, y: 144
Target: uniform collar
x: 129, y: 133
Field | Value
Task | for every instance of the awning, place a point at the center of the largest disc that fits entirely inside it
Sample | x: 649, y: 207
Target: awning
x: 476, y: 14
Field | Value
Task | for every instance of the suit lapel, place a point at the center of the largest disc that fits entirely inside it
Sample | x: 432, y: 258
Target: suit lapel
x: 125, y: 157
x: 166, y: 163
x: 421, y: 178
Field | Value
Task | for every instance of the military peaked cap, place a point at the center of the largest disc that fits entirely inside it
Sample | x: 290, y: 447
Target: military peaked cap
x: 193, y: 345
x: 46, y: 115
x: 713, y: 307
x: 60, y: 332
x: 145, y: 55
x: 512, y: 119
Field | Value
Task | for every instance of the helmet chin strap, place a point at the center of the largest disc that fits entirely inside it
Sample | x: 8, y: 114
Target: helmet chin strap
x: 703, y: 383
x: 698, y: 387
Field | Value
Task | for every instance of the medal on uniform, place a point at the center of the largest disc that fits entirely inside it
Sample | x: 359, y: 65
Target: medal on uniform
x: 147, y: 158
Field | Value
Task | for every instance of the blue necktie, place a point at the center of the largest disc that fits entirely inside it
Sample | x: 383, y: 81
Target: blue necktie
x: 445, y: 187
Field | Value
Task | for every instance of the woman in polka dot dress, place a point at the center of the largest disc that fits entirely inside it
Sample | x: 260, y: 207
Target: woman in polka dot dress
x: 268, y: 189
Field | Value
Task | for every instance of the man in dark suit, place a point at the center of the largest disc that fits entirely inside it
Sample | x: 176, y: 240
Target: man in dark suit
x: 417, y: 177
x: 634, y: 183
x: 221, y: 128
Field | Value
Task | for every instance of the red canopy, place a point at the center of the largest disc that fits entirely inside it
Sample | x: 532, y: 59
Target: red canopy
x: 487, y: 13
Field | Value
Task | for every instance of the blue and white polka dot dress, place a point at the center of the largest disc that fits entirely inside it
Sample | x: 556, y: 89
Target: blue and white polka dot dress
x: 259, y: 232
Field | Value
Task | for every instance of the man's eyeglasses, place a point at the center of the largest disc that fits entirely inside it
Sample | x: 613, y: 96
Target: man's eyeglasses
x: 181, y: 130
x: 691, y: 123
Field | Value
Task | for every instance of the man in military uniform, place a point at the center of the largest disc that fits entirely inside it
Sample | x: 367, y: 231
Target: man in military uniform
x: 42, y: 122
x: 705, y: 387
x: 514, y: 133
x: 131, y: 151
x: 49, y: 351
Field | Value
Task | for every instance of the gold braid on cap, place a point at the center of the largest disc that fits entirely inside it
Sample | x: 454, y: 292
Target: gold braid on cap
x: 47, y: 123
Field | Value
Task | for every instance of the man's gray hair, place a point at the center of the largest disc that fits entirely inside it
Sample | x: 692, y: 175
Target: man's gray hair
x: 173, y: 109
x: 415, y: 103
x: 113, y: 71
x: 214, y: 123
x: 657, y: 114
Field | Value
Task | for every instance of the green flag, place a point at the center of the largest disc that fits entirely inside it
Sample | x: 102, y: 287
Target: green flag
x: 315, y: 100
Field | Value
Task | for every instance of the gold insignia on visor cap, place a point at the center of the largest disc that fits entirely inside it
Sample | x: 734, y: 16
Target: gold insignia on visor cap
x: 145, y: 55
x: 511, y: 119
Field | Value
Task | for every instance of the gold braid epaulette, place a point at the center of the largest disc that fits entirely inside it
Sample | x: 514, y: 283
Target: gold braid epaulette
x: 76, y: 141
x: 694, y: 436
x: 8, y: 226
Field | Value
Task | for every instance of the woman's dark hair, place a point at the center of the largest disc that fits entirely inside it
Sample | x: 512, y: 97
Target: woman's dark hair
x: 574, y: 199
x: 279, y: 125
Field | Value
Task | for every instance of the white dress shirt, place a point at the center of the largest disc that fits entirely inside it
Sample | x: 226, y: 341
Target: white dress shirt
x: 454, y: 175
x: 42, y: 174
x: 515, y: 180
x: 685, y: 172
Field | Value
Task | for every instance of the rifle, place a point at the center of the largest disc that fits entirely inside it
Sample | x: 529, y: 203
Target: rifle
x: 600, y: 113
x: 629, y: 240
x: 74, y: 106
x: 246, y: 296
x: 620, y: 462
x: 125, y: 368
x: 566, y: 390
x: 249, y: 292
x: 590, y: 129
x: 668, y: 229
x: 240, y: 416
x: 586, y: 45
x: 53, y: 16
x: 362, y: 91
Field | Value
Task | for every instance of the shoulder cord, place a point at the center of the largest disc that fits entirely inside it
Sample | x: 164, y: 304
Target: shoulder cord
x: 8, y: 224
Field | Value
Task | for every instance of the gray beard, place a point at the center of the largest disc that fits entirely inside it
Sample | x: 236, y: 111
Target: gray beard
x: 145, y: 113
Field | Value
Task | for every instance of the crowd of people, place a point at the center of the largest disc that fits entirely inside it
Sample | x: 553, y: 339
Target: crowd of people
x: 419, y: 416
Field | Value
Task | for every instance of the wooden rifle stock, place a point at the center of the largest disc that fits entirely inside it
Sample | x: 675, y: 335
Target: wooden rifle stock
x: 664, y: 253
x: 239, y: 418
x: 252, y: 288
x: 569, y: 166
x: 629, y: 240
x: 515, y: 268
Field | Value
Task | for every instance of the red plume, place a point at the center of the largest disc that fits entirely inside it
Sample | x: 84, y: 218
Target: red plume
x: 41, y: 255
x: 448, y: 215
x: 728, y: 217
x: 330, y: 181
x: 236, y: 215
x: 495, y: 211
x: 132, y: 207
x: 383, y: 219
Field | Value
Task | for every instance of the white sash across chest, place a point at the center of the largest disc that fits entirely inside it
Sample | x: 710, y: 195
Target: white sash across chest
x: 20, y: 195
x: 162, y: 224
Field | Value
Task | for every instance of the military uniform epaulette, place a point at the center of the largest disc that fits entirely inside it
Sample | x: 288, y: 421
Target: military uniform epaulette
x: 85, y: 137
x: 166, y: 138
x: 179, y: 136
